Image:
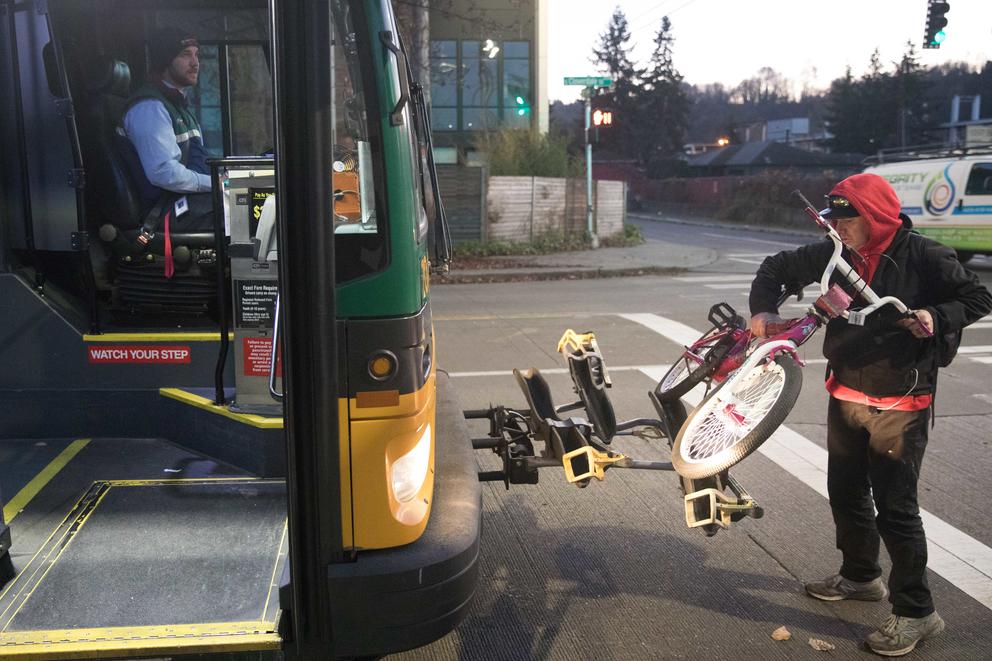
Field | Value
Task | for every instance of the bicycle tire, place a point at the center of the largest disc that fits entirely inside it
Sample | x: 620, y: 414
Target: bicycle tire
x: 710, y: 441
x: 681, y: 377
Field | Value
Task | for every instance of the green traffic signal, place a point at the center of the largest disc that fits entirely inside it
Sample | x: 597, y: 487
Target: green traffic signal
x: 934, y: 33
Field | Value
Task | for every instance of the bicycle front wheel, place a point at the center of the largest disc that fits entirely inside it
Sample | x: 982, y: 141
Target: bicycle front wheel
x: 693, y: 365
x: 728, y: 426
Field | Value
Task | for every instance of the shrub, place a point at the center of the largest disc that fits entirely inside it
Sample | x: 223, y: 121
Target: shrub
x: 541, y: 245
x: 528, y: 153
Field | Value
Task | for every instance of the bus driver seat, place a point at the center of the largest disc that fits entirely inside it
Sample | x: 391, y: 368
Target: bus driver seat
x: 117, y: 215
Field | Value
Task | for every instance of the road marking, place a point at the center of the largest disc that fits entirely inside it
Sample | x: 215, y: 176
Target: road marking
x: 743, y: 277
x: 31, y: 489
x: 728, y: 285
x: 534, y: 315
x: 745, y: 261
x: 978, y: 348
x: 741, y: 238
x: 675, y: 331
x: 961, y: 559
x: 552, y: 370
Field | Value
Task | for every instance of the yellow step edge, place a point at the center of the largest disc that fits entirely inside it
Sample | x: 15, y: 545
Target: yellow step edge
x: 38, y: 482
x: 200, y: 402
x: 156, y: 337
x: 101, y: 642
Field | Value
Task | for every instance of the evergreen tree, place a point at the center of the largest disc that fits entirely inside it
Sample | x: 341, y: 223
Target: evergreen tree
x: 910, y: 92
x: 664, y: 105
x: 613, y: 51
x: 613, y: 55
x: 843, y: 115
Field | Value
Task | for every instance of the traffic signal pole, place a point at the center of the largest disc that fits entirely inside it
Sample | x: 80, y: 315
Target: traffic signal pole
x: 589, y: 83
x: 592, y: 235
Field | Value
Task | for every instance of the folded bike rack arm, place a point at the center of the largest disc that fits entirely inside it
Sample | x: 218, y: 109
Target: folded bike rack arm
x: 722, y: 509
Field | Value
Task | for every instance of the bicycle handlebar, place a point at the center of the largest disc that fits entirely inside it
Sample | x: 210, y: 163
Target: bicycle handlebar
x: 837, y: 261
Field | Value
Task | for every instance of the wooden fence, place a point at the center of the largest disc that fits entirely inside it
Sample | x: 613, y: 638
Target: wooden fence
x: 523, y: 208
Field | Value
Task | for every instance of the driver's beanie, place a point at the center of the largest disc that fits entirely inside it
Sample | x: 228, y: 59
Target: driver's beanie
x: 165, y: 43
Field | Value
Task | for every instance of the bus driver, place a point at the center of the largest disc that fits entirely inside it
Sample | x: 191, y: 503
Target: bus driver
x: 166, y: 135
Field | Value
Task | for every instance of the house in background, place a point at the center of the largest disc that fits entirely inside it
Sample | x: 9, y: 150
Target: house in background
x: 767, y: 155
x: 488, y: 64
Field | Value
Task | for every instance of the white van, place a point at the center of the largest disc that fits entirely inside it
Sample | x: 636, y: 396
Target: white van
x: 948, y: 199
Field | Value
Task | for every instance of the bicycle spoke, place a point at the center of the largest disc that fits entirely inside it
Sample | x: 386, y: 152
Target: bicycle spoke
x: 731, y: 419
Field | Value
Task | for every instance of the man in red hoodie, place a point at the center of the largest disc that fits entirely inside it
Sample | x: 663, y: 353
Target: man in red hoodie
x: 881, y: 378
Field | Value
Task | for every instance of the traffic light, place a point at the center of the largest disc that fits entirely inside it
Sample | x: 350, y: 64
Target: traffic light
x: 522, y: 107
x: 934, y: 34
x: 602, y: 117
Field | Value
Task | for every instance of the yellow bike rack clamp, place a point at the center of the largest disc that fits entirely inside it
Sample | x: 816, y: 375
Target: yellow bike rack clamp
x: 597, y: 461
x: 579, y: 342
x: 722, y: 507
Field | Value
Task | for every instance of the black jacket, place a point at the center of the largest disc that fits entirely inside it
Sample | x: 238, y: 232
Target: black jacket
x: 881, y: 358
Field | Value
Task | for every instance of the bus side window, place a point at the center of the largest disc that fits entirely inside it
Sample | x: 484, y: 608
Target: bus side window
x: 979, y: 180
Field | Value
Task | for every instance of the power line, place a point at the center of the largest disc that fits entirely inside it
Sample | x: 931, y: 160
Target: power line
x: 654, y: 25
x: 645, y: 13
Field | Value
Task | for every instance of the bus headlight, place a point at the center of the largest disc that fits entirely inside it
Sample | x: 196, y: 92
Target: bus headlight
x: 410, y: 470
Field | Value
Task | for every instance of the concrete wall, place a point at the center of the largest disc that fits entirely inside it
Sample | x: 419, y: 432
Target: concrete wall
x: 522, y: 208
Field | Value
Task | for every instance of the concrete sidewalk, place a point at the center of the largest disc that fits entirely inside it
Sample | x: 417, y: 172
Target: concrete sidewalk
x: 647, y: 258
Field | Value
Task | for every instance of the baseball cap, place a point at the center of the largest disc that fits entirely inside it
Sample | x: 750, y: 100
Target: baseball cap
x: 840, y: 208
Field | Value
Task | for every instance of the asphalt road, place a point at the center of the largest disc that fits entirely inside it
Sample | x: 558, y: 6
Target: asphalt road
x: 612, y: 571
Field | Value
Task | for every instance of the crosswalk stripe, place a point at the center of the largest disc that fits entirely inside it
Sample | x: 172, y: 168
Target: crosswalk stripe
x: 961, y: 559
x: 728, y: 285
x: 552, y: 370
x: 977, y: 348
x: 716, y: 278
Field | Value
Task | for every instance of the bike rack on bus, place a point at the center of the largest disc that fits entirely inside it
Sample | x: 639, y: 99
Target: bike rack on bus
x: 538, y: 436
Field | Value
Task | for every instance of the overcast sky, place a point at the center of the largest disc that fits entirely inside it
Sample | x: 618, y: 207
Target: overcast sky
x: 809, y: 41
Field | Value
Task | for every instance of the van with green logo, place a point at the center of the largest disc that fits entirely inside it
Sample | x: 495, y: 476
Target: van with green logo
x: 949, y: 199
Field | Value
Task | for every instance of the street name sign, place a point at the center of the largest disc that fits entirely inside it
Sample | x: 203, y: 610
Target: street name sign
x: 589, y: 81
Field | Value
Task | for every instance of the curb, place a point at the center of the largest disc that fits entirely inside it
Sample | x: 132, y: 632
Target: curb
x: 476, y: 277
x: 714, y: 223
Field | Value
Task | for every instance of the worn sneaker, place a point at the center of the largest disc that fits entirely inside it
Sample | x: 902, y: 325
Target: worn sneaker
x: 899, y: 635
x: 836, y: 588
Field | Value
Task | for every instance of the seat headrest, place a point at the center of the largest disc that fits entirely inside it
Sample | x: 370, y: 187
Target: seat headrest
x: 111, y: 77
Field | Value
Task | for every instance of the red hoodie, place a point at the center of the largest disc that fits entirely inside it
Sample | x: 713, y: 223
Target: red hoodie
x: 876, y: 202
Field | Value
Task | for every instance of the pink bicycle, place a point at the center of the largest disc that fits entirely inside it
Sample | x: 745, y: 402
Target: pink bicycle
x: 757, y: 381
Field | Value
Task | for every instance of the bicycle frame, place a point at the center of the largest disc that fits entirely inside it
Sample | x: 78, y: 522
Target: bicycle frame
x: 800, y: 330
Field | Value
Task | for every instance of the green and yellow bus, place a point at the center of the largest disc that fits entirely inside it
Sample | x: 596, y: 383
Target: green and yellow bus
x: 311, y: 493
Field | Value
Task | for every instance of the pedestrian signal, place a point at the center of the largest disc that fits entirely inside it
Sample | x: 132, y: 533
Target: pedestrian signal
x: 602, y: 117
